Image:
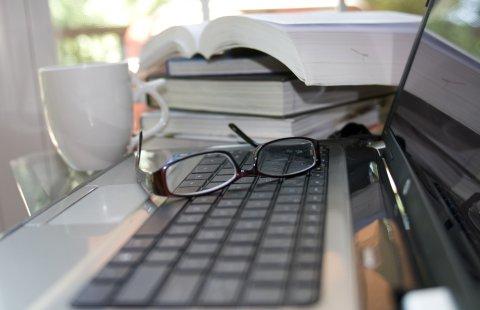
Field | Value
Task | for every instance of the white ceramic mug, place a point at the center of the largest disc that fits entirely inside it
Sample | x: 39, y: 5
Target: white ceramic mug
x: 88, y: 109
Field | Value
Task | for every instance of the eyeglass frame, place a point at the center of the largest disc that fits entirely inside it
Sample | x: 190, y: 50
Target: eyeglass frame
x: 156, y: 182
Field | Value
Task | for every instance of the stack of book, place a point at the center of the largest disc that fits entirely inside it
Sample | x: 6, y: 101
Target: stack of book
x: 277, y: 75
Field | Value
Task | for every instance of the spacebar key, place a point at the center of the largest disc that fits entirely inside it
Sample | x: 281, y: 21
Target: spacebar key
x: 160, y: 218
x: 140, y: 286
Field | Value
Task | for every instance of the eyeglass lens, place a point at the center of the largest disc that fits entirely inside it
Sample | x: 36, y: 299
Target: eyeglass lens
x: 286, y: 157
x: 199, y: 174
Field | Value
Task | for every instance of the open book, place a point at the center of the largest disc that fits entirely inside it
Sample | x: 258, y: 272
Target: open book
x: 323, y: 48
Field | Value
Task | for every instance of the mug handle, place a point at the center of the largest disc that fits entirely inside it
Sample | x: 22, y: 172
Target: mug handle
x: 142, y: 88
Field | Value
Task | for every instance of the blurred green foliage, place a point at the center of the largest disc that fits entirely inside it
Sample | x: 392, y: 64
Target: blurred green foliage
x: 458, y: 22
x: 89, y: 48
x: 407, y: 6
x: 71, y: 17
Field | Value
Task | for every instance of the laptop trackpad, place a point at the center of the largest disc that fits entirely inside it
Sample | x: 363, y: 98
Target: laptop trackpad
x: 104, y: 205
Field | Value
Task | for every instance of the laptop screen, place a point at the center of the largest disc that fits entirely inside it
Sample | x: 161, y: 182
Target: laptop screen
x: 437, y: 114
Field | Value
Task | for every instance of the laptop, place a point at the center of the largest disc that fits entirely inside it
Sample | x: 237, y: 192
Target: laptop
x: 379, y: 223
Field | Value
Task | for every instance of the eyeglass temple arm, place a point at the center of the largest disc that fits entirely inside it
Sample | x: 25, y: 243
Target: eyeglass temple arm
x: 144, y: 179
x: 242, y: 135
x: 139, y: 150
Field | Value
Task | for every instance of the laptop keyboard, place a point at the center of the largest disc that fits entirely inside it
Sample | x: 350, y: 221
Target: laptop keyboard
x: 256, y: 243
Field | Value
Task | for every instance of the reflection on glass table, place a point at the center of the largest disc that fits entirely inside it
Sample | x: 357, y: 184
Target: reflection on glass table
x: 44, y: 177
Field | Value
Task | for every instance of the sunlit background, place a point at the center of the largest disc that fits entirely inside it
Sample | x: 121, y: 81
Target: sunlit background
x: 111, y: 30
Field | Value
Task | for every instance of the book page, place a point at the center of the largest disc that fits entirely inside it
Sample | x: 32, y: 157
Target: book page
x: 341, y: 18
x: 196, y: 32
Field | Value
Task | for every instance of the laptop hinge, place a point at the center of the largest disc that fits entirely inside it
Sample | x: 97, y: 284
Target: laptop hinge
x: 380, y: 146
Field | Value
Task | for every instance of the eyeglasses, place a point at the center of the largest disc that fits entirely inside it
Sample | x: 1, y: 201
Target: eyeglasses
x: 192, y: 175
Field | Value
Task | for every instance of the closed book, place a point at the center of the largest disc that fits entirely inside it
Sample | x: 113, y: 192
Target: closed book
x: 268, y: 95
x: 240, y: 63
x: 215, y: 125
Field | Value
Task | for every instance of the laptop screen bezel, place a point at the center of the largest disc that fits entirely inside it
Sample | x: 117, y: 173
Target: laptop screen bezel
x: 429, y: 4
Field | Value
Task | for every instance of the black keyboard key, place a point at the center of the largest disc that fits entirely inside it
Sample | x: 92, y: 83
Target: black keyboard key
x: 303, y: 295
x: 205, y: 168
x: 193, y: 263
x: 258, y: 295
x: 141, y: 285
x: 223, y: 212
x: 239, y: 187
x: 282, y: 218
x: 237, y: 251
x: 186, y: 190
x: 294, y: 182
x: 261, y: 195
x: 316, y: 181
x: 214, y: 160
x: 312, y: 219
x: 95, y: 294
x: 192, y: 183
x: 308, y: 243
x: 248, y: 224
x: 286, y: 208
x: 183, y: 230
x: 235, y: 194
x: 222, y: 178
x: 238, y: 267
x: 171, y: 242
x: 246, y: 180
x: 266, y: 181
x: 291, y: 190
x: 265, y: 186
x: 126, y: 258
x: 197, y: 208
x: 198, y: 176
x: 212, y: 185
x: 211, y: 234
x: 220, y: 290
x: 254, y: 204
x: 273, y: 258
x: 289, y: 199
x: 313, y: 207
x: 208, y: 199
x: 280, y: 243
x: 310, y: 230
x: 189, y: 218
x: 229, y: 203
x: 179, y: 289
x: 112, y: 273
x: 315, y: 190
x: 315, y: 198
x: 306, y: 258
x: 280, y: 230
x: 305, y: 275
x: 138, y: 243
x: 272, y: 275
x: 226, y: 171
x: 217, y: 223
x: 162, y: 256
x: 253, y: 214
x: 243, y: 237
x: 201, y: 248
